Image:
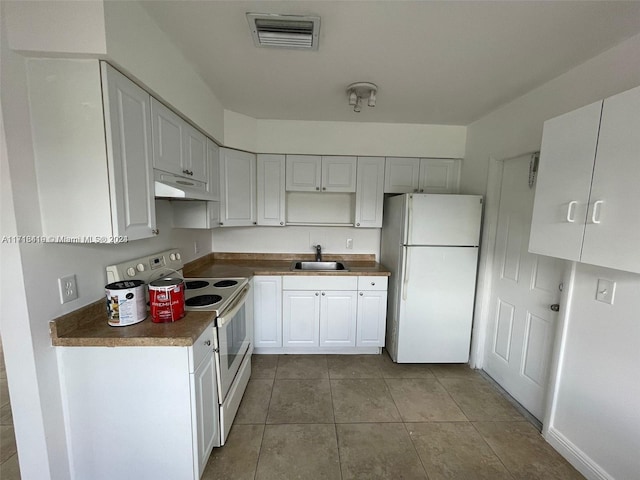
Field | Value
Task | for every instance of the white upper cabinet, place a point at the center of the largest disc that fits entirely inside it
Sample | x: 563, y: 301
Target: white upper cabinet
x: 312, y: 173
x: 237, y: 188
x: 92, y: 144
x: 421, y: 175
x: 587, y: 186
x: 369, y: 192
x: 213, y: 161
x: 178, y: 147
x: 271, y: 190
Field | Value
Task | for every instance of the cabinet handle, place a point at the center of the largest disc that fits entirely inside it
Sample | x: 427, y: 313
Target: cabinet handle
x: 186, y: 172
x: 422, y: 190
x: 324, y: 188
x: 255, y: 223
x: 595, y: 215
x: 208, y: 343
x: 155, y: 231
x: 361, y: 294
x: 357, y: 224
x: 317, y: 188
x: 323, y: 294
x: 373, y: 284
x: 317, y: 294
x: 281, y: 223
x: 221, y: 223
x: 555, y: 307
x: 571, y: 211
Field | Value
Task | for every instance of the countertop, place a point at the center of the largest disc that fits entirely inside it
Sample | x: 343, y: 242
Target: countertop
x: 88, y: 326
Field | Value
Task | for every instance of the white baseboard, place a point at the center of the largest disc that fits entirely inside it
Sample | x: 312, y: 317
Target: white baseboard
x: 576, y: 457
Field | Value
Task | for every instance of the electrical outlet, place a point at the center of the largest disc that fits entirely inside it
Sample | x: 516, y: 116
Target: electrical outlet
x: 68, y: 288
x: 196, y: 247
x: 349, y: 243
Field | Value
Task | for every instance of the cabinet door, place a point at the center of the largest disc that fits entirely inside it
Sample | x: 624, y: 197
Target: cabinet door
x: 439, y: 175
x: 303, y: 173
x: 370, y: 192
x: 401, y: 175
x: 300, y: 318
x: 338, y: 311
x: 612, y: 235
x: 271, y: 190
x: 213, y: 160
x: 168, y: 138
x: 338, y: 174
x: 564, y: 180
x: 195, y: 156
x: 237, y: 188
x: 372, y: 318
x: 129, y: 147
x: 267, y: 295
x: 205, y: 413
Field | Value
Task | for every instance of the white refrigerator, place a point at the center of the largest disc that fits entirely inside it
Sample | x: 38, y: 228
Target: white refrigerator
x: 430, y: 244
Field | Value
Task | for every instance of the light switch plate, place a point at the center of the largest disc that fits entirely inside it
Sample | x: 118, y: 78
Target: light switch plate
x: 606, y: 291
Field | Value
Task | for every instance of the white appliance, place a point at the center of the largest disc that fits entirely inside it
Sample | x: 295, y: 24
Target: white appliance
x: 226, y: 299
x: 430, y: 244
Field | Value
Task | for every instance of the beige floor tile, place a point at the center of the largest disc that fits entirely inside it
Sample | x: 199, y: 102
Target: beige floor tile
x: 10, y: 470
x: 453, y: 370
x: 389, y: 369
x: 455, y: 451
x: 300, y: 401
x: 4, y: 392
x: 255, y: 402
x: 354, y: 366
x: 7, y: 442
x: 374, y: 451
x: 524, y: 452
x: 299, y: 452
x: 238, y: 459
x: 363, y: 400
x: 6, y: 417
x: 423, y: 400
x: 302, y: 367
x: 264, y: 366
x: 479, y: 400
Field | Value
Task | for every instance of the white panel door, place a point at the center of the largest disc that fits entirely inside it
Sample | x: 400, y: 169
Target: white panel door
x: 564, y: 180
x: 168, y: 138
x: 370, y: 192
x: 237, y: 188
x: 372, y: 315
x: 129, y: 149
x: 401, y: 175
x: 213, y: 159
x: 444, y: 219
x: 436, y: 304
x: 300, y: 318
x: 267, y: 295
x: 612, y: 235
x: 304, y: 173
x: 521, y: 327
x: 338, y: 174
x: 205, y: 413
x: 439, y: 175
x: 196, y: 165
x: 271, y: 190
x: 338, y: 311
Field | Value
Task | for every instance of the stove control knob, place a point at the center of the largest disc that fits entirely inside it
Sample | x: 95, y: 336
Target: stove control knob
x: 131, y: 272
x: 178, y: 256
x: 140, y: 267
x: 172, y: 257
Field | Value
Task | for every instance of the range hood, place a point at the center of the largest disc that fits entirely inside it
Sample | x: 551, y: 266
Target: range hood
x: 179, y: 188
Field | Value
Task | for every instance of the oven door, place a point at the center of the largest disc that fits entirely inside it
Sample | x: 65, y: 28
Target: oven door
x: 234, y: 340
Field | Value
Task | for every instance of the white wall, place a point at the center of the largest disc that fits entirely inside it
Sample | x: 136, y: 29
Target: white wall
x: 594, y: 417
x: 296, y: 239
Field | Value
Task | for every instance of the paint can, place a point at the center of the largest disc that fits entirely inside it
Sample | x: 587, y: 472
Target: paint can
x: 126, y: 303
x: 166, y: 298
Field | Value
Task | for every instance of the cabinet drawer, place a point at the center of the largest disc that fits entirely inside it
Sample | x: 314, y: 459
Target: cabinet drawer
x: 201, y: 348
x: 372, y: 283
x: 299, y: 282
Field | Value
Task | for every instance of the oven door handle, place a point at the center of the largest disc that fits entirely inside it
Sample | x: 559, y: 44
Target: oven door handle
x: 230, y: 312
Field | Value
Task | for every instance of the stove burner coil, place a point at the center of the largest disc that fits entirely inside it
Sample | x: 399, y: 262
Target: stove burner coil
x: 195, y: 284
x: 225, y: 283
x: 203, y: 300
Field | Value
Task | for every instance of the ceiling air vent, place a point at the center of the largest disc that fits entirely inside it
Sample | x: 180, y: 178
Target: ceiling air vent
x: 284, y: 31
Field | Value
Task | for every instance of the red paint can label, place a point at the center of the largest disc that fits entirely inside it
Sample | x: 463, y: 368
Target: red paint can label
x: 166, y: 299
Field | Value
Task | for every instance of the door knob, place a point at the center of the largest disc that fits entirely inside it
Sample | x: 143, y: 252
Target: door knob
x: 555, y: 307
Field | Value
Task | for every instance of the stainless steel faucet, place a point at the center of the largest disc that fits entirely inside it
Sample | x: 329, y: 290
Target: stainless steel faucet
x: 318, y: 253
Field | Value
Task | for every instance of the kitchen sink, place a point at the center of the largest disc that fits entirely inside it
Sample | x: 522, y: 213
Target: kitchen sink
x: 319, y: 266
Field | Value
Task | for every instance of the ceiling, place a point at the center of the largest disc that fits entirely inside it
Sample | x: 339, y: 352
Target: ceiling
x: 435, y: 62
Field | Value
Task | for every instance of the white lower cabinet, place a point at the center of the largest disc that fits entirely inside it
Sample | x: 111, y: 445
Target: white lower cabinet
x: 143, y: 412
x: 320, y: 313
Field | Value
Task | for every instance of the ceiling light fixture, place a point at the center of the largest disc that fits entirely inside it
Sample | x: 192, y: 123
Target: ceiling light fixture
x: 360, y: 90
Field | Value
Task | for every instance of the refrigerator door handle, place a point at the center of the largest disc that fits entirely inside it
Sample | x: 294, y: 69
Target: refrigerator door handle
x: 409, y: 219
x: 405, y: 279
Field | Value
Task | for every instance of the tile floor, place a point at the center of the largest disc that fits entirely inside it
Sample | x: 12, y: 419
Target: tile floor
x: 364, y: 417
x: 9, y: 469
